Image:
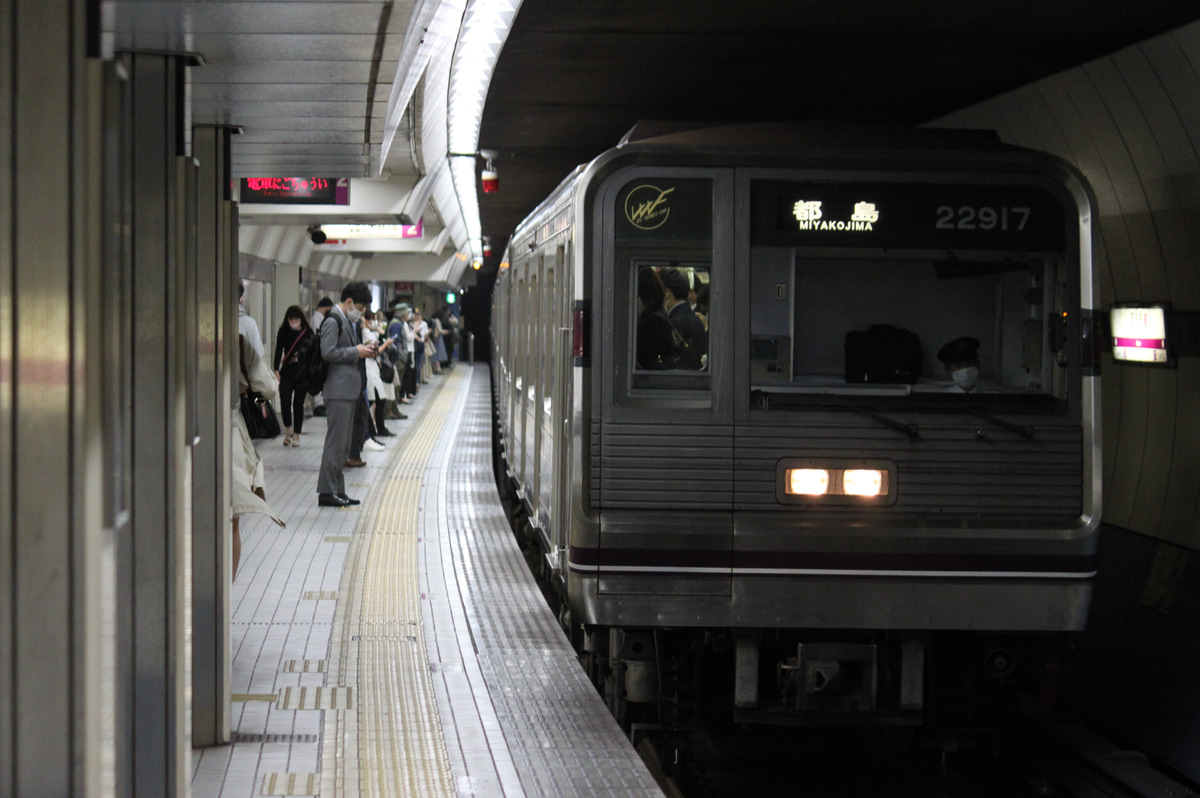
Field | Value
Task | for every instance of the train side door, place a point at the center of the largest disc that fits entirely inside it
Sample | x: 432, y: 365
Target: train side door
x: 662, y: 442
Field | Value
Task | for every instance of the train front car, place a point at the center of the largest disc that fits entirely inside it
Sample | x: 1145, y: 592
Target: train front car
x: 835, y: 435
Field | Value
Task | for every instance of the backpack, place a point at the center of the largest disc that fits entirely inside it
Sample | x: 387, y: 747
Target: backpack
x: 315, y: 367
x: 883, y: 354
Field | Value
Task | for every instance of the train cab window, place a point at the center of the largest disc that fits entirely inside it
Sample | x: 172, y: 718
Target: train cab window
x: 912, y: 329
x: 669, y: 316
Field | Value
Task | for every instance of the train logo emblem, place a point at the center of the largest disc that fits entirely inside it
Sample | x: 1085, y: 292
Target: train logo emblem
x: 647, y: 207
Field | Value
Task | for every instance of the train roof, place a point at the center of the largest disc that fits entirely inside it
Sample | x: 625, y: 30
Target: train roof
x: 774, y: 136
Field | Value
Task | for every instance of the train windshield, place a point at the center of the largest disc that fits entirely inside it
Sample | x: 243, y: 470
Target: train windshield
x: 917, y: 327
x: 920, y: 294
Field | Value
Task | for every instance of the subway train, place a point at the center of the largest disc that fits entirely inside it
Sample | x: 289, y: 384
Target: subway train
x: 869, y: 483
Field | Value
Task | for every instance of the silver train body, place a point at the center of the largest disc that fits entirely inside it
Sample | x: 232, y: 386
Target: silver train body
x: 673, y: 498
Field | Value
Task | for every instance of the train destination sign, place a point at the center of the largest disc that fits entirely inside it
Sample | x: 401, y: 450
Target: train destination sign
x: 295, y: 190
x: 919, y: 216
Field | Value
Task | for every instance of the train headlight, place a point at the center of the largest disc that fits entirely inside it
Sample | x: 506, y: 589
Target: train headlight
x: 864, y: 482
x: 836, y: 481
x: 807, y: 481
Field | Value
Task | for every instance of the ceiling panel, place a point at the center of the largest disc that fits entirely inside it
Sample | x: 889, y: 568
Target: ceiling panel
x: 294, y: 75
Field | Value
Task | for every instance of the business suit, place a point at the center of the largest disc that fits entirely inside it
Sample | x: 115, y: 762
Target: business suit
x: 343, y: 387
x: 691, y: 329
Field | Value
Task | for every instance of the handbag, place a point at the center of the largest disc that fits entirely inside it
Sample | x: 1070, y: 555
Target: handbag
x: 256, y: 411
x: 259, y: 416
x: 387, y: 371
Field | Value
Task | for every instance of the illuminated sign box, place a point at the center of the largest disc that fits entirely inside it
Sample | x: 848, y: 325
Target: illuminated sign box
x: 295, y: 190
x: 1139, y: 334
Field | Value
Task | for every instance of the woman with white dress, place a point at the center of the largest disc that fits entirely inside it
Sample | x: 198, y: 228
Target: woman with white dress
x: 379, y: 392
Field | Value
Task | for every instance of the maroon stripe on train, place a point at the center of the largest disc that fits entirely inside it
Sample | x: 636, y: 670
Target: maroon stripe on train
x: 833, y: 561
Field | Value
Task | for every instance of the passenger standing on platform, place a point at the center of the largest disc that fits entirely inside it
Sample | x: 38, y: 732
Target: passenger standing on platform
x: 344, y: 388
x: 247, y: 326
x: 291, y: 346
x: 408, y: 389
x: 399, y: 332
x: 378, y: 391
x: 421, y: 332
x: 247, y: 475
x: 318, y: 316
x: 436, y: 331
x: 322, y: 310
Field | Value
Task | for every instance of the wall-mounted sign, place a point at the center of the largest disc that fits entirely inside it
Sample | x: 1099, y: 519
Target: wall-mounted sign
x: 1139, y: 334
x: 375, y: 230
x: 295, y: 190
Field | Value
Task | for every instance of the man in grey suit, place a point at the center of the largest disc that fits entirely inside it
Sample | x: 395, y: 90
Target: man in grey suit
x: 343, y: 387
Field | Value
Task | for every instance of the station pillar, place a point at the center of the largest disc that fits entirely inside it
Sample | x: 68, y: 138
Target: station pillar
x: 217, y: 247
x: 56, y: 719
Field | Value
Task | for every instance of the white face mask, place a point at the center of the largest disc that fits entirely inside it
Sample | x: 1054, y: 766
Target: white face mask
x: 965, y: 378
x: 354, y: 314
x: 294, y: 324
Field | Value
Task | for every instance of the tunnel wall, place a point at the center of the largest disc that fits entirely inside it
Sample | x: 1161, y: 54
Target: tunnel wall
x: 1131, y: 122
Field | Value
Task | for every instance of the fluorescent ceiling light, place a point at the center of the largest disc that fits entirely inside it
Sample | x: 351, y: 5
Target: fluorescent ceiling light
x: 484, y: 29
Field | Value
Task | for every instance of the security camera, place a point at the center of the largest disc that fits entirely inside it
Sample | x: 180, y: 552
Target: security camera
x: 316, y: 234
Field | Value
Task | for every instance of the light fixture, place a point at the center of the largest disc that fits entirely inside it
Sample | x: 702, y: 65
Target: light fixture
x: 484, y: 29
x: 864, y: 482
x: 317, y: 234
x: 491, y: 178
x: 835, y: 482
x: 807, y: 481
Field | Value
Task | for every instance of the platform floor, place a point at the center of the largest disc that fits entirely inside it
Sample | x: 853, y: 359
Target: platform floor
x: 402, y: 648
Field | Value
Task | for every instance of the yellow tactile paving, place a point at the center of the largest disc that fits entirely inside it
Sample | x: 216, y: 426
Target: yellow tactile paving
x: 289, y: 784
x: 391, y: 742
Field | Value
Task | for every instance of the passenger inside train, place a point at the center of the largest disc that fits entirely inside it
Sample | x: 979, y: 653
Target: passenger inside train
x: 671, y: 326
x: 846, y: 311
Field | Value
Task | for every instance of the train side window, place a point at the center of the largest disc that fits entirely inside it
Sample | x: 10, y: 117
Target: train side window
x: 669, y: 319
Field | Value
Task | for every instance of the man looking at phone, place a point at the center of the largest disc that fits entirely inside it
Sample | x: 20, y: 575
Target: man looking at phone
x: 342, y: 350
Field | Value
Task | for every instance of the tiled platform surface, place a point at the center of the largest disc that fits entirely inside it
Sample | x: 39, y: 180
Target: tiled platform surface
x: 516, y: 713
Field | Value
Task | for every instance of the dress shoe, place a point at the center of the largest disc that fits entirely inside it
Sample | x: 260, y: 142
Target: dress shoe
x: 355, y: 462
x: 347, y: 499
x: 399, y: 416
x: 330, y: 500
x: 383, y: 433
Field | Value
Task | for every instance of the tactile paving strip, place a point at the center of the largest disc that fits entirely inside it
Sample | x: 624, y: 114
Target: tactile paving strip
x: 289, y: 784
x: 378, y: 644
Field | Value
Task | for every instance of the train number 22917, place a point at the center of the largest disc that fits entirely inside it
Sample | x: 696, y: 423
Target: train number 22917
x: 968, y: 217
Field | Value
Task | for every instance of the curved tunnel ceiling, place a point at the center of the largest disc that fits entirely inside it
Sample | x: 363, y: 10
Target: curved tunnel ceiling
x: 574, y: 77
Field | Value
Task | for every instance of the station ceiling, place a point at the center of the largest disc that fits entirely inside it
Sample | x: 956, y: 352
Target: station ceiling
x: 309, y: 81
x: 574, y: 77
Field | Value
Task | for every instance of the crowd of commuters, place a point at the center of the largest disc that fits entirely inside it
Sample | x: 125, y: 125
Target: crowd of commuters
x: 376, y: 363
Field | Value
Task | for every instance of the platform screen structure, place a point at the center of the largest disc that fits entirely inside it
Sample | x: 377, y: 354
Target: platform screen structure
x: 1139, y: 334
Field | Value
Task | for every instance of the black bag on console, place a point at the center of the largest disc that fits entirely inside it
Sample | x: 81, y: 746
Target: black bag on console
x: 884, y: 353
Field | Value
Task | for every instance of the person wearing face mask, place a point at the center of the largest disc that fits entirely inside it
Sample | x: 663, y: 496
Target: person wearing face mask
x: 291, y: 346
x: 961, y: 357
x: 344, y: 388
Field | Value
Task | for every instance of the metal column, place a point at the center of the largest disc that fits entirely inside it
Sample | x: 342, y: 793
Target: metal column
x: 157, y: 573
x: 211, y: 531
x: 52, y: 696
